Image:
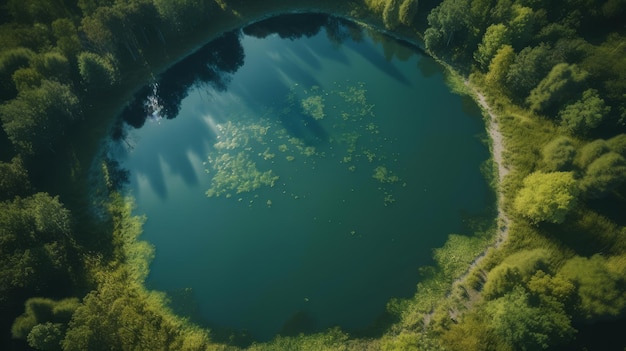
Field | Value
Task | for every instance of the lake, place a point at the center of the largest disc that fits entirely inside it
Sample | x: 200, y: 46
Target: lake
x: 297, y: 173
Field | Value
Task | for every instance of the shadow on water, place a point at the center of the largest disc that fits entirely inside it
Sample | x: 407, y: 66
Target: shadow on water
x: 293, y: 26
x: 212, y: 64
x: 177, y: 159
x: 304, y: 127
x: 307, y: 55
x: 428, y: 66
x: 296, y: 26
x: 378, y: 60
x: 299, y: 322
x: 184, y: 302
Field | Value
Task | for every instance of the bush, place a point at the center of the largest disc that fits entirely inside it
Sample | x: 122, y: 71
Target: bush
x: 547, y: 197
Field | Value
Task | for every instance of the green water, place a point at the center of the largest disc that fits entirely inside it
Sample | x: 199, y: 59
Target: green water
x: 312, y: 188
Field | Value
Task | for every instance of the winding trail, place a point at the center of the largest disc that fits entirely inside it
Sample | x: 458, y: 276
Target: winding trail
x: 502, y: 220
x: 497, y: 151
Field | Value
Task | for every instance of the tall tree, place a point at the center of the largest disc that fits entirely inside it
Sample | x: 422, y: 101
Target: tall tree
x: 10, y: 61
x: 585, y: 114
x: 600, y: 289
x: 44, y: 323
x: 603, y: 175
x: 13, y: 179
x: 98, y: 73
x: 448, y: 27
x: 547, y: 197
x: 522, y: 25
x: 408, y: 11
x: 563, y: 82
x: 184, y: 15
x: 525, y: 326
x: 558, y: 154
x: 528, y: 68
x: 499, y: 66
x: 590, y: 152
x: 37, y: 118
x: 67, y: 38
x: 495, y: 37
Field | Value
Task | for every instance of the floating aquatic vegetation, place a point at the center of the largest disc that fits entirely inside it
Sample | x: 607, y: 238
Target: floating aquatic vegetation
x: 388, y: 199
x: 308, y: 151
x: 383, y: 175
x: 355, y: 98
x: 314, y: 106
x: 371, y: 156
x: 267, y: 155
x: 244, y: 145
x: 231, y: 166
x: 237, y: 174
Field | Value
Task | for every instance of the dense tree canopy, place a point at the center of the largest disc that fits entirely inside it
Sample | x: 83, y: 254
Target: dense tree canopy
x: 38, y: 117
x: 558, y: 154
x: 547, y: 197
x: 556, y: 88
x: 562, y: 60
x: 585, y: 114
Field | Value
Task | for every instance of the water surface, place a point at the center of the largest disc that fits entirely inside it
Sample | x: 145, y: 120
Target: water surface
x: 304, y: 186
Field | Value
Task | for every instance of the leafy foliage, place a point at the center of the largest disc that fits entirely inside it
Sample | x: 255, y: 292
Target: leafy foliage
x: 599, y: 286
x: 496, y: 36
x: 528, y: 69
x: 98, y: 73
x: 44, y: 322
x: 558, y: 155
x: 547, y: 197
x: 557, y: 87
x: 604, y: 174
x: 36, y: 119
x: 517, y: 321
x: 47, y: 336
x: 585, y: 114
x: 499, y: 66
x: 13, y: 179
x: 34, y: 243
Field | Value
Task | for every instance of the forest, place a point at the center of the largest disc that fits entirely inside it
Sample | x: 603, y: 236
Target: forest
x: 553, y: 74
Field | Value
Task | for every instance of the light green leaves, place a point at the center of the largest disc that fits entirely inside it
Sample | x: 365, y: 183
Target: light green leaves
x: 495, y: 37
x: 547, y: 197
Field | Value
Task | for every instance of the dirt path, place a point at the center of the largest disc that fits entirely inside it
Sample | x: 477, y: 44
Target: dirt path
x: 497, y: 151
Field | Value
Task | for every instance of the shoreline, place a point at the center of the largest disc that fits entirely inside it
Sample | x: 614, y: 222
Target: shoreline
x: 502, y: 219
x: 497, y: 151
x: 497, y: 147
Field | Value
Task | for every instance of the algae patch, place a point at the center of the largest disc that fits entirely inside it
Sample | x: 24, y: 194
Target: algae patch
x: 244, y: 157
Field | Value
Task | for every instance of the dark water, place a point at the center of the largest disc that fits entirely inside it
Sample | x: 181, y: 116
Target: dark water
x: 307, y: 182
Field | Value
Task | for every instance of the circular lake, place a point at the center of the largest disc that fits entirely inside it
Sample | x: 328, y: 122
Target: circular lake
x: 297, y: 173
